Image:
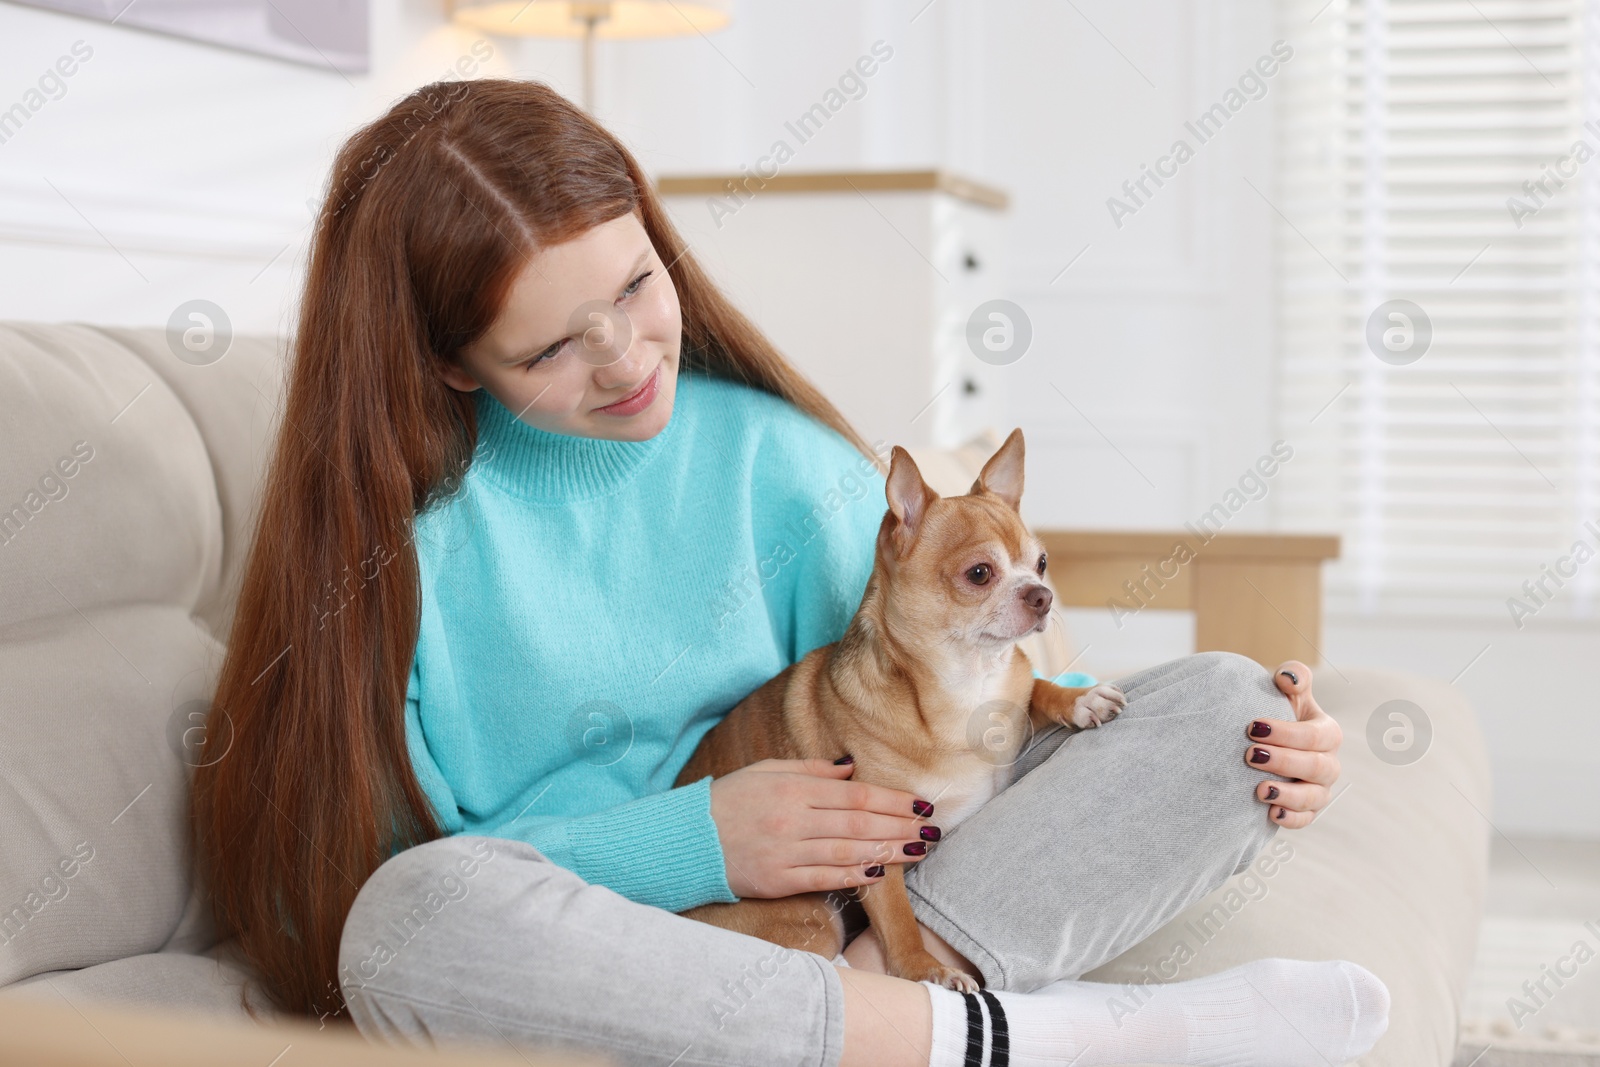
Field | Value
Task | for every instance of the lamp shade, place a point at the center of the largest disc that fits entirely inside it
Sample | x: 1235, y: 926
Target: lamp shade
x: 612, y: 18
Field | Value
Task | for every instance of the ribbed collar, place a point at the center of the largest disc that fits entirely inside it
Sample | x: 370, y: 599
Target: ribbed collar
x: 544, y: 467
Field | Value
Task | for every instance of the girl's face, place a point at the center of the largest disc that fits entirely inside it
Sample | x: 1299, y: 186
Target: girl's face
x: 588, y: 323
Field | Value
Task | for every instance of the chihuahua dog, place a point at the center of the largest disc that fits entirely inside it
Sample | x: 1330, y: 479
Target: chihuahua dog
x: 927, y: 690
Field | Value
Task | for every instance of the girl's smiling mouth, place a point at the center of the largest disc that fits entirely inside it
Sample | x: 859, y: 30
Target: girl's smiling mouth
x: 637, y: 401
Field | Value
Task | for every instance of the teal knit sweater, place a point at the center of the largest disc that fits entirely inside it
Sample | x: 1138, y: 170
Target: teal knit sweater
x: 590, y: 608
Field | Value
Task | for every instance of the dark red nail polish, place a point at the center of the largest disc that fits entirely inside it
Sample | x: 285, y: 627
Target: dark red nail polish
x: 1291, y: 676
x: 916, y: 848
x: 875, y: 871
x: 1281, y: 813
x: 922, y: 808
x: 929, y: 833
x: 842, y: 760
x: 1259, y: 755
x: 1272, y: 792
x: 1260, y: 729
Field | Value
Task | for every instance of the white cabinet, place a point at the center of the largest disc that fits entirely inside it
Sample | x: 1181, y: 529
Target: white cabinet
x: 865, y: 281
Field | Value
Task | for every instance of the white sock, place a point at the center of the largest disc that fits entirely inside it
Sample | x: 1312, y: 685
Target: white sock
x: 950, y: 1029
x: 1289, y: 1013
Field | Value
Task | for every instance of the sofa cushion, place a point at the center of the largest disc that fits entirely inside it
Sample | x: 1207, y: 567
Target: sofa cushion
x: 233, y: 404
x: 113, y: 468
x: 106, y: 489
x: 213, y: 982
x: 1390, y: 876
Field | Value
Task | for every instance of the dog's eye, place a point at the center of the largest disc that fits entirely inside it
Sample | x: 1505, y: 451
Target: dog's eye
x: 1041, y: 562
x: 980, y: 574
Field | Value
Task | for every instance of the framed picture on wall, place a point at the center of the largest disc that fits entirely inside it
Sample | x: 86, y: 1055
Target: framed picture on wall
x: 320, y: 33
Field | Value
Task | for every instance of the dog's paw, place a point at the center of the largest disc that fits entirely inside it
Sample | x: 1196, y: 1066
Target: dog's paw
x: 925, y: 968
x: 960, y: 981
x: 950, y: 978
x: 1099, y: 705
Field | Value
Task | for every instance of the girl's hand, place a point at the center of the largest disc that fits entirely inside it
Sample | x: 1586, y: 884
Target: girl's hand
x: 1305, y: 751
x: 797, y: 826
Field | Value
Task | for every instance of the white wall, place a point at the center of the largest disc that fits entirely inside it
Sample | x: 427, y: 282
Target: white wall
x: 171, y: 170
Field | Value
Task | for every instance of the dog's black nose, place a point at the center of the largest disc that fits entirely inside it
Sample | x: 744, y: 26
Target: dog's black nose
x: 1038, y: 598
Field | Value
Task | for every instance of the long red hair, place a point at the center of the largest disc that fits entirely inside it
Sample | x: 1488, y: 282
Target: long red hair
x: 431, y: 213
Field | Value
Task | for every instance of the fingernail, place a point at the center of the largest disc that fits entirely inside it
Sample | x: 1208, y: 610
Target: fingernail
x: 922, y: 808
x: 1259, y: 755
x: 875, y: 871
x: 1281, y: 813
x: 929, y: 833
x: 915, y: 848
x: 842, y: 760
x: 1260, y: 729
x: 1291, y: 676
x: 1272, y: 792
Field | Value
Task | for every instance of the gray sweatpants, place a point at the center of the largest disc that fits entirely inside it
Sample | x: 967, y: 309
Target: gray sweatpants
x: 1102, y: 837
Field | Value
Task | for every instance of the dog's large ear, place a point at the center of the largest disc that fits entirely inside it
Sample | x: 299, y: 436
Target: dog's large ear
x: 909, y: 497
x: 1002, y: 475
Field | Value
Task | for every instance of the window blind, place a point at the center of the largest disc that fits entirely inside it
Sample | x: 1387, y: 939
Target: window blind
x: 1444, y: 153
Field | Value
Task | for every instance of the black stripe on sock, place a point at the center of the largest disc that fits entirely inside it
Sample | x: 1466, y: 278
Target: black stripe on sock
x: 1000, y: 1055
x: 974, y: 1031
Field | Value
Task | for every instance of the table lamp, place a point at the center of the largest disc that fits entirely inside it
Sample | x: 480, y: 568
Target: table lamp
x: 590, y: 19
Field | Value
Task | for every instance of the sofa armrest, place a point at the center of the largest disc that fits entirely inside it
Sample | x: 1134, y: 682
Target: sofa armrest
x: 1392, y: 874
x: 1259, y: 595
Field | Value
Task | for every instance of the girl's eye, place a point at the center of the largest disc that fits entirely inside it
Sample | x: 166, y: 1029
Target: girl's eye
x: 980, y: 574
x: 633, y: 286
x: 548, y: 353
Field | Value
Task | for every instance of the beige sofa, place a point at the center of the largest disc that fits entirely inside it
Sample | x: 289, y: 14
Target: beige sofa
x: 127, y: 477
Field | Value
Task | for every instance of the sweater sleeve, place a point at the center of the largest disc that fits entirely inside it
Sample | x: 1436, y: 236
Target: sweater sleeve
x: 821, y: 501
x: 423, y: 766
x: 661, y: 849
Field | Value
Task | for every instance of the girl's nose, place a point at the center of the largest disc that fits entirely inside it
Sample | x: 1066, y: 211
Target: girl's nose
x: 606, y: 334
x: 622, y: 375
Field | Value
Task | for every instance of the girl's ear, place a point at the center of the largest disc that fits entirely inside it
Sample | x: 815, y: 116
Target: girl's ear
x: 456, y: 377
x: 1002, y: 475
x: 909, y: 497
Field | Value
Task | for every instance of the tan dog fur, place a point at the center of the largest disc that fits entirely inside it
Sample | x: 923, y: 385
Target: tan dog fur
x: 927, y: 690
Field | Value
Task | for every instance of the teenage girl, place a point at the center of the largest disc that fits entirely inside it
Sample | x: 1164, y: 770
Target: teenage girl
x: 544, y: 506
